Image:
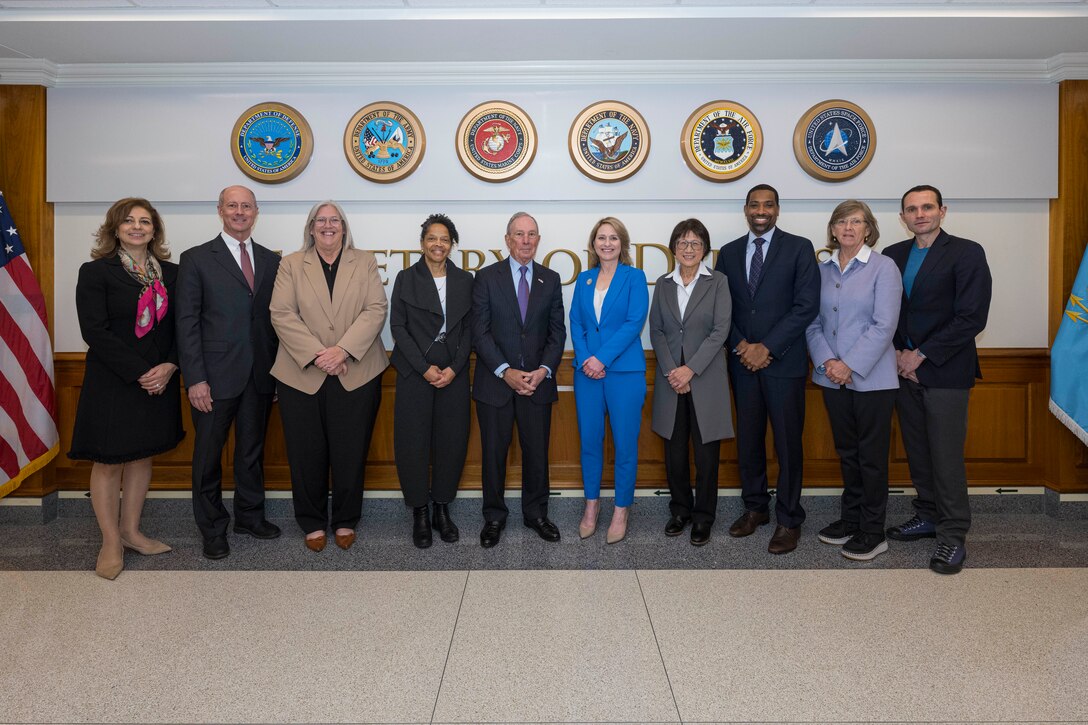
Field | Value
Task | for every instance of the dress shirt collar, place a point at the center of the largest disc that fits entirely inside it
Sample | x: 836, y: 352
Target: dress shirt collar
x: 766, y: 236
x: 703, y: 272
x: 862, y: 257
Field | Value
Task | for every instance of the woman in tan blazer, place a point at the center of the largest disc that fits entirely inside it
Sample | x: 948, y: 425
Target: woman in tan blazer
x: 328, y: 308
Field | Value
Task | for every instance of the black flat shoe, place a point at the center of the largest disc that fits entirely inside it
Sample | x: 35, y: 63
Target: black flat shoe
x: 216, y: 547
x: 260, y: 530
x: 544, y: 528
x: 441, y: 521
x: 421, y: 527
x: 490, y: 534
x: 676, y: 526
x: 700, y: 533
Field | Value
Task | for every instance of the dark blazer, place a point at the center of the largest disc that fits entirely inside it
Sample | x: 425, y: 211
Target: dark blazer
x: 415, y: 317
x: 500, y: 336
x: 224, y: 329
x: 947, y: 308
x: 787, y: 299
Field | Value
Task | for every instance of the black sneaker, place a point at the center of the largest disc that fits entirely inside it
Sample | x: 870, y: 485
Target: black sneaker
x: 948, y: 559
x: 837, y: 533
x: 864, y: 546
x: 913, y: 530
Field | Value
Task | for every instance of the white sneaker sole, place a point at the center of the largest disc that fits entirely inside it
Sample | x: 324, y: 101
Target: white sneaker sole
x: 867, y: 555
x: 837, y: 541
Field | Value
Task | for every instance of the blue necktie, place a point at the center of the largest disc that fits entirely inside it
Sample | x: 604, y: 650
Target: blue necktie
x: 757, y: 267
x: 523, y: 293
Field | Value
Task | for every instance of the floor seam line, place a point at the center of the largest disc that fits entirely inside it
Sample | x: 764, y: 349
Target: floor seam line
x: 453, y: 634
x: 657, y: 643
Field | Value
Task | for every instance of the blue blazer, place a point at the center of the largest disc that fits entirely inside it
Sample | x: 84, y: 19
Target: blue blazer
x: 787, y: 299
x: 946, y: 310
x: 617, y: 339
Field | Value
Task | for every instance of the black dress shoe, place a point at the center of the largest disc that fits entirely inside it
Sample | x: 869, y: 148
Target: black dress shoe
x: 544, y: 528
x: 441, y: 521
x: 676, y: 525
x: 700, y: 533
x: 216, y: 547
x: 260, y: 530
x: 490, y: 534
x: 421, y: 527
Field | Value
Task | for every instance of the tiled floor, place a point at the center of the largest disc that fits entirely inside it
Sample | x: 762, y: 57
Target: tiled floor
x: 648, y: 631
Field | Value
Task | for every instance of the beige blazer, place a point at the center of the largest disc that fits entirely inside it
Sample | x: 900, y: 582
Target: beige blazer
x: 307, y: 320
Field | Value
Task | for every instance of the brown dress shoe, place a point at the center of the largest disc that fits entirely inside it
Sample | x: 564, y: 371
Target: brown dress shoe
x: 784, y: 540
x: 748, y: 522
x: 344, y: 541
x: 317, y: 544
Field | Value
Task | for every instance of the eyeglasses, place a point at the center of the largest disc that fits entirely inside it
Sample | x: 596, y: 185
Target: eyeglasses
x: 235, y: 206
x: 693, y: 244
x: 330, y: 220
x: 854, y: 222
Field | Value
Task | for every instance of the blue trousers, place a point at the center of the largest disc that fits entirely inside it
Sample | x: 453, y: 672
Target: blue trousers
x: 620, y: 396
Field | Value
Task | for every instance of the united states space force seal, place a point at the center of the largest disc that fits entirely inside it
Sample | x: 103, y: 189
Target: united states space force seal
x: 271, y: 143
x: 834, y: 140
x: 721, y: 141
x: 384, y: 142
x: 496, y: 141
x: 609, y: 141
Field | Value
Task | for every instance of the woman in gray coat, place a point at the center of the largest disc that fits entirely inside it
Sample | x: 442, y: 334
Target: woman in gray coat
x: 690, y: 318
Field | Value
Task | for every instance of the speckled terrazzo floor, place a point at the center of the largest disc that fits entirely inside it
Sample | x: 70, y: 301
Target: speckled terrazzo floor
x: 651, y: 630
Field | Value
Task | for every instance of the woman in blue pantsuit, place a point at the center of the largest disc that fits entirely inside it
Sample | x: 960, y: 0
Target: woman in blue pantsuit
x: 607, y: 315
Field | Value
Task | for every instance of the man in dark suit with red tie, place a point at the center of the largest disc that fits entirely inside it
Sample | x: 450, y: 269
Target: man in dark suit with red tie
x: 226, y: 345
x: 518, y: 332
x: 775, y: 285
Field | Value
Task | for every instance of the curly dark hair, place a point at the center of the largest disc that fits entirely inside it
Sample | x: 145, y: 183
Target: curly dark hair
x: 438, y: 219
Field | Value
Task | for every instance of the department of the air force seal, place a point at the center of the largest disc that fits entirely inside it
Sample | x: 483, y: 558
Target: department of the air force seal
x: 384, y: 142
x: 271, y: 143
x: 834, y: 140
x: 609, y: 141
x: 721, y: 141
x: 496, y: 141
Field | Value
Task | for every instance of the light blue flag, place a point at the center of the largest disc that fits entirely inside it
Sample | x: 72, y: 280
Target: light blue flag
x: 1069, y: 360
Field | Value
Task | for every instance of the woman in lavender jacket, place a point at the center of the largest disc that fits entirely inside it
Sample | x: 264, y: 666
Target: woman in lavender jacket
x: 850, y: 343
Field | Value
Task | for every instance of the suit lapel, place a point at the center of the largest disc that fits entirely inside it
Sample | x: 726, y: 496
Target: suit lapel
x: 458, y: 298
x: 311, y: 264
x: 619, y: 279
x: 933, y: 259
x: 344, y: 273
x: 426, y: 291
x: 671, y: 303
x: 739, y: 254
x: 118, y: 270
x: 262, y: 259
x: 697, y: 293
x: 221, y: 254
x: 768, y: 259
x: 506, y: 284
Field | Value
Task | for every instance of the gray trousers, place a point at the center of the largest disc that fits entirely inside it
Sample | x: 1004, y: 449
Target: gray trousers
x: 933, y: 422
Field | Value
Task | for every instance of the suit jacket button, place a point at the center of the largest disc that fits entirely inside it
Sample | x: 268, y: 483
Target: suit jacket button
x: 331, y: 327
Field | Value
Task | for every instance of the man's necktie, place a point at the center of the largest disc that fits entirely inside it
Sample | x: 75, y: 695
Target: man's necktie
x: 757, y: 267
x: 247, y: 265
x: 523, y: 293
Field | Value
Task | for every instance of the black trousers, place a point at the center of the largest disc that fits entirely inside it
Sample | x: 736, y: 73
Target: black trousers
x: 861, y: 424
x: 249, y: 413
x: 328, y: 433
x: 782, y: 400
x: 430, y: 433
x: 933, y: 422
x: 703, y: 506
x: 496, y: 432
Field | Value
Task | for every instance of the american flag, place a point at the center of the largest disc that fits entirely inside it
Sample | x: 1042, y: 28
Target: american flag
x: 28, y: 412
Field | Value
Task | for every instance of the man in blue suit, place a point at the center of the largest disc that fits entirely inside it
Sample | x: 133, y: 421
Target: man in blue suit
x: 775, y: 286
x: 946, y: 300
x: 518, y: 330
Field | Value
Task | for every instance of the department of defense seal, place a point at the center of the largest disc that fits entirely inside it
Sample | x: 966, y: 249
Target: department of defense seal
x: 609, y: 141
x: 834, y: 140
x: 271, y: 143
x: 721, y: 141
x: 496, y: 141
x: 384, y: 142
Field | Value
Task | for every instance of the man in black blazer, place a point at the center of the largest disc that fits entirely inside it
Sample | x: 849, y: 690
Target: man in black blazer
x: 227, y: 346
x: 775, y: 285
x: 946, y: 300
x: 518, y: 330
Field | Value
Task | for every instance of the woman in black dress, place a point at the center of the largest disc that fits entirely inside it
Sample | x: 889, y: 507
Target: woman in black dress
x: 129, y: 405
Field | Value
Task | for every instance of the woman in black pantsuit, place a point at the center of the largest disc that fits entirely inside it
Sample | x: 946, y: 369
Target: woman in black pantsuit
x: 429, y: 319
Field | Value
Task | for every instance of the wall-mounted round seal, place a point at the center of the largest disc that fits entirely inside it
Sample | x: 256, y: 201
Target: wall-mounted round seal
x: 834, y: 140
x: 384, y: 142
x: 496, y: 141
x: 271, y: 143
x: 721, y: 141
x: 609, y: 141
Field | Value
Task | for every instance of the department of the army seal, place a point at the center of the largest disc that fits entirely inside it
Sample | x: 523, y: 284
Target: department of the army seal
x: 271, y: 143
x: 384, y: 142
x: 721, y: 141
x: 834, y: 140
x: 609, y: 141
x: 496, y: 141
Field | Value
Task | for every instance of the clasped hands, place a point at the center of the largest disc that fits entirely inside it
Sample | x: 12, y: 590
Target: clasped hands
x: 907, y: 362
x: 593, y: 368
x: 439, y: 378
x: 154, y: 380
x: 523, y: 382
x: 332, y: 360
x: 680, y: 379
x: 838, y: 372
x: 753, y: 355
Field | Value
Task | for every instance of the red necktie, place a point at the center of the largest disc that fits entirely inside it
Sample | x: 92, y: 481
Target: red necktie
x: 247, y: 265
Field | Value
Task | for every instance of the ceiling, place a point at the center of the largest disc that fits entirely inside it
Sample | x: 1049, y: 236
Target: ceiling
x: 65, y: 37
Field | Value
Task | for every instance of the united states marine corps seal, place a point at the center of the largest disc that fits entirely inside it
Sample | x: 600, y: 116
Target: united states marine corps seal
x: 384, y: 142
x: 271, y: 143
x: 721, y: 141
x: 609, y: 141
x: 834, y: 140
x: 496, y: 141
